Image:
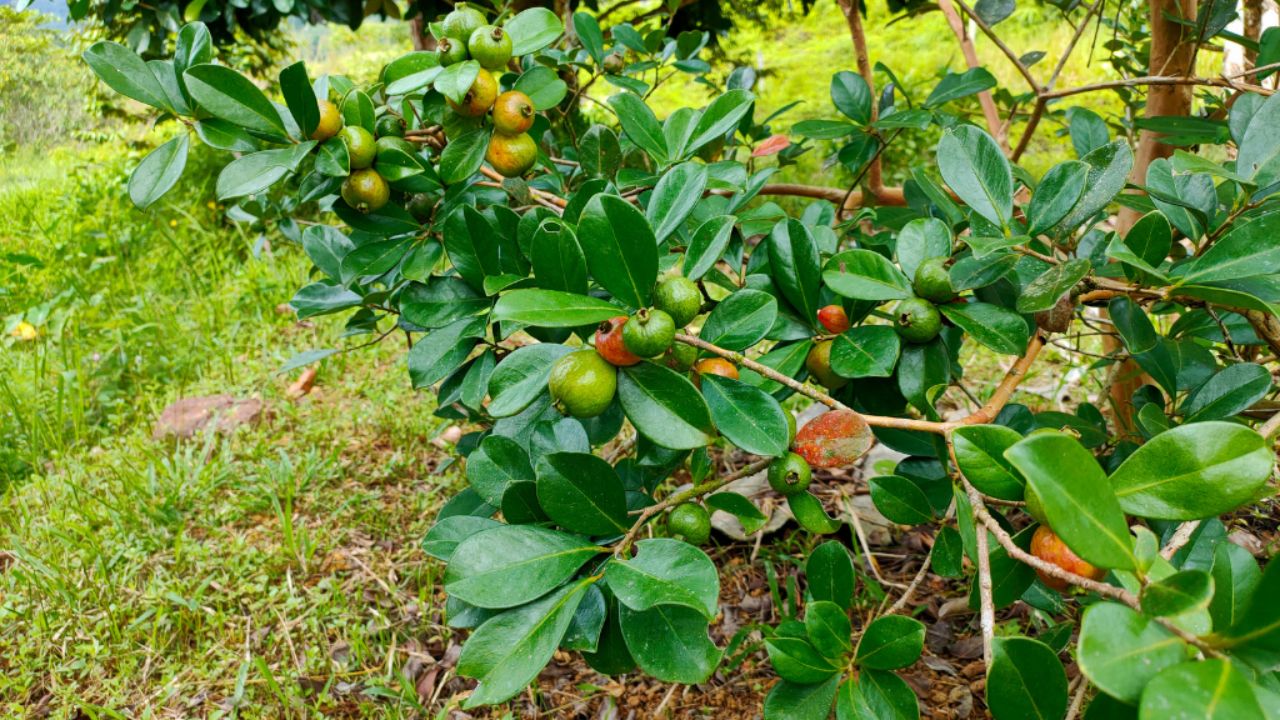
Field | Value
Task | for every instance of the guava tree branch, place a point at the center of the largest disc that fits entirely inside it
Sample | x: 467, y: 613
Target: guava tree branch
x: 1008, y: 52
x: 1004, y: 391
x: 853, y: 17
x: 989, y: 109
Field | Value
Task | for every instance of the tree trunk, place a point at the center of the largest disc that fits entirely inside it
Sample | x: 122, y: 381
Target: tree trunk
x: 1170, y: 55
x: 1252, y: 29
x: 418, y: 33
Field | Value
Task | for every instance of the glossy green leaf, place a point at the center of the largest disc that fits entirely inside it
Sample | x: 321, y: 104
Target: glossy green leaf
x: 300, y: 98
x: 866, y: 351
x: 1230, y: 391
x: 496, y: 465
x: 1109, y: 168
x: 808, y: 511
x: 980, y: 454
x: 865, y: 275
x: 1025, y: 680
x: 463, y: 156
x: 443, y: 537
x: 1179, y: 593
x: 599, y: 152
x: 1043, y: 292
x: 231, y: 96
x: 665, y: 572
x: 640, y: 125
x: 439, y: 301
x: 1260, y: 144
x: 829, y: 572
x: 435, y: 356
x: 1206, y: 690
x: 1059, y: 191
x: 620, y: 248
x: 544, y: 88
x: 665, y: 407
x: 126, y: 73
x: 1251, y: 247
x: 1120, y: 650
x: 948, y: 551
x: 254, y: 173
x: 1078, y: 501
x: 793, y: 701
x: 552, y: 308
x: 557, y: 259
x: 707, y: 245
x: 958, y: 85
x: 998, y: 328
x: 1194, y: 471
x: 670, y: 642
x: 323, y: 297
x: 796, y: 660
x: 828, y: 627
x: 876, y: 695
x: 900, y: 500
x: 674, y: 197
x: 411, y: 72
x: 975, y: 168
x: 521, y: 377
x: 740, y: 320
x: 744, y: 510
x: 851, y: 96
x: 890, y: 642
x: 718, y: 118
x: 1235, y: 577
x: 513, y: 564
x: 508, y: 651
x: 533, y: 29
x: 748, y: 417
x: 921, y: 239
x: 582, y: 493
x: 158, y: 172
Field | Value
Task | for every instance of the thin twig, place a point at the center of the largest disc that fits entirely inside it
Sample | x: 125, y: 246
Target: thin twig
x: 1181, y: 537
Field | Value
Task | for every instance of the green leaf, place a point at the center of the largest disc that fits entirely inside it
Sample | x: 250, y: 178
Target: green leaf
x: 665, y: 572
x: 851, y: 96
x: 808, y: 511
x: 1078, y: 501
x: 620, y: 248
x: 900, y: 500
x: 972, y: 163
x: 1109, y: 168
x: 829, y: 572
x: 558, y: 262
x: 552, y: 308
x: 411, y: 72
x: 665, y: 407
x: 126, y: 73
x: 1120, y: 650
x: 1194, y: 471
x: 720, y: 117
x: 792, y: 701
x: 300, y: 98
x: 1260, y: 144
x: 890, y: 642
x: 320, y: 298
x: 640, y: 125
x: 1230, y: 391
x: 921, y: 239
x: 372, y: 258
x: 544, y: 88
x: 440, y: 301
x: 670, y: 643
x: 795, y: 266
x: 436, y: 356
x: 948, y: 552
x: 865, y: 275
x: 469, y: 241
x: 463, y: 156
x: 231, y: 96
x: 334, y: 159
x: 998, y: 328
x: 254, y: 173
x: 1043, y: 292
x: 588, y: 622
x: 707, y: 245
x: 827, y: 625
x: 1208, y: 690
x: 1259, y: 624
x: 513, y: 564
x: 957, y: 85
x: 1235, y: 577
x: 533, y: 29
x: 158, y: 172
x: 876, y: 695
x: 455, y: 80
x: 674, y: 197
x: 740, y: 320
x: 1250, y: 248
x: 738, y: 506
x: 222, y: 135
x: 444, y: 536
x: 1025, y: 680
x: 497, y: 464
x: 521, y: 377
x: 824, y: 129
x: 582, y: 493
x: 1059, y: 191
x: 980, y: 455
x: 797, y: 661
x: 508, y: 651
x: 866, y: 351
x: 748, y: 417
x: 1182, y: 592
x: 599, y: 152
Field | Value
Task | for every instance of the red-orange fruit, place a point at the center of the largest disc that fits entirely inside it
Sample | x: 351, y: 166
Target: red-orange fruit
x: 834, y: 439
x: 609, y: 343
x: 834, y: 319
x: 713, y: 366
x: 1047, y: 546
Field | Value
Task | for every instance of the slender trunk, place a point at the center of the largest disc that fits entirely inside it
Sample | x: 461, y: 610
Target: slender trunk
x: 989, y: 109
x: 418, y: 33
x: 1252, y: 29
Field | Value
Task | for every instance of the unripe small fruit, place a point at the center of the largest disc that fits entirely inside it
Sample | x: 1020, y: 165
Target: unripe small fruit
x: 680, y: 357
x: 834, y: 319
x: 609, y: 343
x: 1057, y: 318
x: 490, y: 46
x: 691, y: 522
x: 451, y: 51
x: 582, y: 383
x: 419, y: 206
x: 713, y: 366
x: 512, y: 113
x: 649, y: 332
x: 463, y: 21
x: 1049, y: 547
x: 479, y: 97
x: 361, y: 147
x: 679, y: 297
x: 511, y: 155
x: 819, y: 364
x: 789, y: 474
x: 917, y: 320
x: 615, y: 63
x: 933, y: 280
x: 389, y: 126
x: 365, y: 190
x: 330, y: 121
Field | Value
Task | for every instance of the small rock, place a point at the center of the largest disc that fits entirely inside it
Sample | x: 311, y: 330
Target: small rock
x: 188, y: 416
